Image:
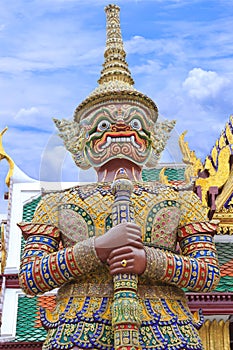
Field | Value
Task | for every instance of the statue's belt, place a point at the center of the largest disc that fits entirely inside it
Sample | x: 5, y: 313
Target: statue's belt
x: 100, y: 290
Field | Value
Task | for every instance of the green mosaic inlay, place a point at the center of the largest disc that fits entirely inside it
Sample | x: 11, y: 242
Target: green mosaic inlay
x: 173, y: 174
x: 29, y: 209
x: 26, y: 318
x: 224, y: 252
x: 28, y: 213
x: 108, y: 222
x: 225, y: 284
x: 22, y: 245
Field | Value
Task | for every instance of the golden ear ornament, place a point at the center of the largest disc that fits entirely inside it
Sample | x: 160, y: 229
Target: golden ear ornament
x: 159, y: 137
x: 74, y: 138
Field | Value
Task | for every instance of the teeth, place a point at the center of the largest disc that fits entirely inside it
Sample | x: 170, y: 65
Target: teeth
x: 108, y: 142
x: 120, y: 139
x: 132, y: 139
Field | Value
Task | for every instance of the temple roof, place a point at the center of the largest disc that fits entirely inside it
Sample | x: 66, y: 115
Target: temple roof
x: 28, y: 327
x: 175, y: 175
x: 226, y: 263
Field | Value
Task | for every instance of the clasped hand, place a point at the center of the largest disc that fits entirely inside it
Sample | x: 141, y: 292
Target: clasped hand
x: 122, y: 242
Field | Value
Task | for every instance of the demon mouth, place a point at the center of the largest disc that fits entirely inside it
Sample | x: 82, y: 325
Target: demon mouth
x: 110, y: 140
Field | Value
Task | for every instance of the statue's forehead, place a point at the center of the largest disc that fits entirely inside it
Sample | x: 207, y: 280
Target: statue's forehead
x: 116, y: 111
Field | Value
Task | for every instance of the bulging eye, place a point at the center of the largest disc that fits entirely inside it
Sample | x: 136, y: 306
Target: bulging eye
x: 103, y: 125
x: 136, y: 124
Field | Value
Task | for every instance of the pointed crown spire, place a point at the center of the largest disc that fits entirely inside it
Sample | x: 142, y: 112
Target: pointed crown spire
x: 115, y: 65
x: 115, y: 82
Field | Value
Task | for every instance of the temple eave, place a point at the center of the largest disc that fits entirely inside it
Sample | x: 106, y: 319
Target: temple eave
x: 211, y: 303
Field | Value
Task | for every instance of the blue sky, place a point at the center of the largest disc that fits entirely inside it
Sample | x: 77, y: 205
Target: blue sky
x: 180, y: 53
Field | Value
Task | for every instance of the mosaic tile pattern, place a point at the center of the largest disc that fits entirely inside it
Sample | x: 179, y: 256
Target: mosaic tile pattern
x: 27, y: 320
x: 29, y: 209
x: 173, y: 174
x: 226, y: 263
x: 28, y: 212
x: 225, y: 255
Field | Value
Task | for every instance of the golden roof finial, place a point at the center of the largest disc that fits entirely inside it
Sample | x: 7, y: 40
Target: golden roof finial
x: 115, y: 83
x: 115, y: 65
x: 3, y: 253
x: 4, y: 155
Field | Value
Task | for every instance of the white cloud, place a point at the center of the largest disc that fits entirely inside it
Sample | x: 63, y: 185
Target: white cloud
x: 13, y: 65
x: 203, y: 84
x: 35, y: 118
x: 139, y: 44
x: 45, y: 55
x: 26, y: 113
x: 160, y: 47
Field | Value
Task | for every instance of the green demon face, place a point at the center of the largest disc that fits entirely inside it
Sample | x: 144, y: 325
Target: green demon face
x: 117, y: 131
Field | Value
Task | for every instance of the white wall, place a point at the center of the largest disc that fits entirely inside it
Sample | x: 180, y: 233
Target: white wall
x: 22, y: 193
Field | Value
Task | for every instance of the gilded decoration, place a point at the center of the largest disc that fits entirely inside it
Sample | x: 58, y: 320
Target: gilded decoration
x: 4, y: 155
x: 225, y: 216
x: 115, y: 81
x: 3, y: 253
x: 215, y: 335
x: 216, y: 173
x: 216, y: 165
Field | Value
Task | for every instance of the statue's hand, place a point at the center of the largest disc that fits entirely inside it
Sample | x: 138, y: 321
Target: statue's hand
x: 124, y: 234
x: 127, y: 260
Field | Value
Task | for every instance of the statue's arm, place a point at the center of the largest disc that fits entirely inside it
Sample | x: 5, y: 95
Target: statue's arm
x: 196, y: 268
x: 44, y: 267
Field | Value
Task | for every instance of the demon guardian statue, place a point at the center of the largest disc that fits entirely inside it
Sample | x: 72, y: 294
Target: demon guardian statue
x: 119, y: 250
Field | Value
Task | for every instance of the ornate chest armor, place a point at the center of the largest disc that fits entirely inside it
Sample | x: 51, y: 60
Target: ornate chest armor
x: 82, y: 316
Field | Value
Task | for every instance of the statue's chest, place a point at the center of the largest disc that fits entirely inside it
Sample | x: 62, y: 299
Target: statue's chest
x: 91, y: 215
